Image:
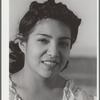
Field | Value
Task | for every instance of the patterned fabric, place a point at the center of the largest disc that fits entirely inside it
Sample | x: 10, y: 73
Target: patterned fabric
x: 13, y: 95
x: 70, y: 92
x: 73, y: 92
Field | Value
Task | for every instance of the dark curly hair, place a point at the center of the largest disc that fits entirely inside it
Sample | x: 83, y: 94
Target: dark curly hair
x: 38, y: 11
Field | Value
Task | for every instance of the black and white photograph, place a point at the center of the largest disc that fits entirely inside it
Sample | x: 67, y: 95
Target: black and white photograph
x: 52, y: 50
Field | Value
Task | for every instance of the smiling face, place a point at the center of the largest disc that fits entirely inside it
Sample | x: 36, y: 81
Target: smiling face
x: 48, y: 48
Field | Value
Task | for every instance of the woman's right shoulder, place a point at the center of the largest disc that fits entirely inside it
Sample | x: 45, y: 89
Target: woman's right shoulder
x: 13, y: 95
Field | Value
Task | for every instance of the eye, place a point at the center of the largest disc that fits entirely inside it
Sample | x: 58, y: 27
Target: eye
x: 44, y: 41
x: 64, y: 44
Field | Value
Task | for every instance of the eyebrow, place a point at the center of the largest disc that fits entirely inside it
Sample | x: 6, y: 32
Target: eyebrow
x: 45, y: 35
x: 62, y: 38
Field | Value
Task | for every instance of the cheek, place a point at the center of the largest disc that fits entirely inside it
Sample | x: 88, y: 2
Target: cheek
x: 66, y: 54
x: 30, y: 54
x: 65, y: 57
x: 34, y: 52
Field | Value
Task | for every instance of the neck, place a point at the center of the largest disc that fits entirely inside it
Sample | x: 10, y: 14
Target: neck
x: 29, y: 80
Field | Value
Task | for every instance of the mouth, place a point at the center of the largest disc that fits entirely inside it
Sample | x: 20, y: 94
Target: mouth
x: 50, y: 63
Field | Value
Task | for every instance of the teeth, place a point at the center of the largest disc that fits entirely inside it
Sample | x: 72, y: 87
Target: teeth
x: 50, y: 63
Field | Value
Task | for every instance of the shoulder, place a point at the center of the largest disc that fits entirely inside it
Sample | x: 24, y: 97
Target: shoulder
x: 72, y: 91
x: 13, y: 95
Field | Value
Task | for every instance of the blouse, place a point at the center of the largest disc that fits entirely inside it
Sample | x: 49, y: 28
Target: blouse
x: 70, y: 92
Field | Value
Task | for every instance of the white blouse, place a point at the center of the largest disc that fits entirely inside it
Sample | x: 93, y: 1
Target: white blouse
x: 70, y: 92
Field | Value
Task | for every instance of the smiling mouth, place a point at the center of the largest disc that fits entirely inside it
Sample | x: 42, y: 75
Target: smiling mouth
x: 50, y: 63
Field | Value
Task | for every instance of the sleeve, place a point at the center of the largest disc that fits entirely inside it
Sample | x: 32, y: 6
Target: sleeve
x: 73, y: 92
x: 12, y: 92
x: 13, y: 95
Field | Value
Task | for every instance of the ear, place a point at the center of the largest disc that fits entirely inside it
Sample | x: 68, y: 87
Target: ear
x: 22, y: 46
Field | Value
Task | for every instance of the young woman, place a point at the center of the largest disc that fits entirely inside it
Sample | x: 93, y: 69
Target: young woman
x: 41, y: 51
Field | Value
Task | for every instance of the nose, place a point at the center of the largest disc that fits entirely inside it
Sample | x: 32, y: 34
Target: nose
x: 53, y: 51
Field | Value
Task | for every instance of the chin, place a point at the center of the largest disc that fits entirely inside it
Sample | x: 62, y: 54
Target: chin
x: 47, y: 74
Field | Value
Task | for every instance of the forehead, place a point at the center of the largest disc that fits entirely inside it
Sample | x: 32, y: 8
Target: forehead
x: 51, y: 27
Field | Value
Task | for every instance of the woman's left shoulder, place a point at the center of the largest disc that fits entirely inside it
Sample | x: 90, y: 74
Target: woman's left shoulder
x: 74, y: 92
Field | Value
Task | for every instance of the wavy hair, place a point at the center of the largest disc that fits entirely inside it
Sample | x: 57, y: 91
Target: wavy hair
x: 38, y: 11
